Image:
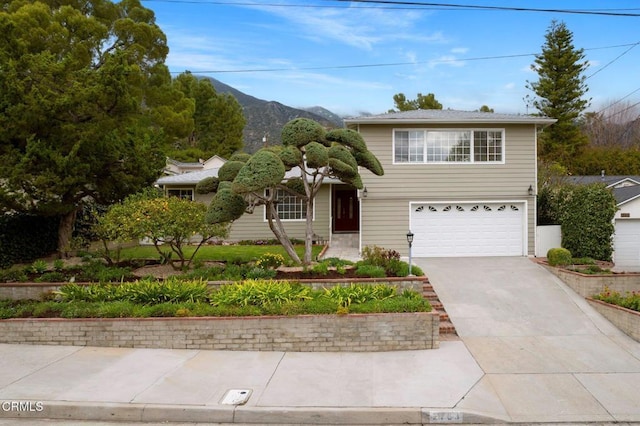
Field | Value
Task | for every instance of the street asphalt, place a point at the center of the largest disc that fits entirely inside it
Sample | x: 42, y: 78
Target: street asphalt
x: 529, y: 351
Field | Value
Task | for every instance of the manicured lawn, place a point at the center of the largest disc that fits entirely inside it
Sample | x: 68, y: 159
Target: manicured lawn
x: 222, y: 253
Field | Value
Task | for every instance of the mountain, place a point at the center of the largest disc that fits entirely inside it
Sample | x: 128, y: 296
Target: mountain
x: 265, y: 119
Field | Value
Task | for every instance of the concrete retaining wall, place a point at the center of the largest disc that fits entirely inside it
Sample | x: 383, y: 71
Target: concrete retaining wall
x: 626, y: 320
x: 588, y: 285
x: 305, y: 333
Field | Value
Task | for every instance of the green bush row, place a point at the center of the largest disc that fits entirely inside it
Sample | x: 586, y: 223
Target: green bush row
x: 174, y: 298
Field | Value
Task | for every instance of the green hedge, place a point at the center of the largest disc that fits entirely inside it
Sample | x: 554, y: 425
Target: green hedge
x: 24, y: 238
x: 587, y: 221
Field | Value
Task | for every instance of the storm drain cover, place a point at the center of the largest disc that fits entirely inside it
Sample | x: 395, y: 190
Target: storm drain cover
x: 236, y: 397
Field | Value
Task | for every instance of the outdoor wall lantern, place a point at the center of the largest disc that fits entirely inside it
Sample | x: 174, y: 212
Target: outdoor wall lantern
x: 364, y: 192
x: 530, y: 190
x: 410, y: 241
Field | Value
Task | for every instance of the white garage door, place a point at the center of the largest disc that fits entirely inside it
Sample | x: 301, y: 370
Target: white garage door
x: 468, y: 229
x: 626, y: 245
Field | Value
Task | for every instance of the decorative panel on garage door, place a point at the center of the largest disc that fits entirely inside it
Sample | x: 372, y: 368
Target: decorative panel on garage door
x: 468, y: 229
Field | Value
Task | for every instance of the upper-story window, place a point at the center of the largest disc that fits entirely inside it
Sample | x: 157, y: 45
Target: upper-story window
x: 448, y: 146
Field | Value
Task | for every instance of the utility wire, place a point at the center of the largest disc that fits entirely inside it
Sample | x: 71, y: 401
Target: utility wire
x: 494, y: 8
x: 403, y: 5
x: 395, y: 64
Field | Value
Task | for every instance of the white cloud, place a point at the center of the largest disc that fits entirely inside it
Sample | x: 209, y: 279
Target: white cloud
x: 449, y: 60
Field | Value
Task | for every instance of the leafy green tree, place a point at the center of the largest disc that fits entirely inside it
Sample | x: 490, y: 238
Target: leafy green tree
x: 86, y: 105
x: 427, y: 101
x: 218, y: 118
x: 310, y: 154
x: 560, y: 89
x: 485, y: 108
x: 165, y: 221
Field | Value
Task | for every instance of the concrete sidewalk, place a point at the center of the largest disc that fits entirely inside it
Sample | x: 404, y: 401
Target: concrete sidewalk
x: 531, y: 351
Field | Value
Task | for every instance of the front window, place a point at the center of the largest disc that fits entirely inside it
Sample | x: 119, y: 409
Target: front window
x: 448, y: 146
x: 184, y: 193
x: 289, y: 207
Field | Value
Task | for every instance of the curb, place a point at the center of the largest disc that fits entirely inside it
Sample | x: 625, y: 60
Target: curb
x: 123, y: 412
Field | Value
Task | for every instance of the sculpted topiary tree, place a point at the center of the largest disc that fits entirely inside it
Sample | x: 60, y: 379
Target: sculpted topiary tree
x: 309, y: 154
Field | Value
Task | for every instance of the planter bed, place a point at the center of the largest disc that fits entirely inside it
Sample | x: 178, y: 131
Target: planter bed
x: 587, y: 285
x: 30, y: 290
x: 625, y: 319
x: 304, y: 333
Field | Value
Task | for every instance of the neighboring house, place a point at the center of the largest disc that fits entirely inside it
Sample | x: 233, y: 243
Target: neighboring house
x: 254, y: 226
x: 175, y: 167
x: 462, y: 182
x: 626, y: 238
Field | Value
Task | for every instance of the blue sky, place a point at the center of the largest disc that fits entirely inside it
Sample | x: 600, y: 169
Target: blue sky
x: 336, y: 54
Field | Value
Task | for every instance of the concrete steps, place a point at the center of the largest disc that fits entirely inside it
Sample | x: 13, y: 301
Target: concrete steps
x: 447, y: 328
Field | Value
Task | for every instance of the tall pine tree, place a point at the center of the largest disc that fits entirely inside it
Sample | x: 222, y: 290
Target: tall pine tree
x: 560, y: 90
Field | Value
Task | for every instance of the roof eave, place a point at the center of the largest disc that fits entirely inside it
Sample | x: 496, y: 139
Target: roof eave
x: 542, y: 121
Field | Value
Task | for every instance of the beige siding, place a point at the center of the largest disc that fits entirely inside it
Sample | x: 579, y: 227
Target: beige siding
x: 255, y: 227
x: 385, y: 211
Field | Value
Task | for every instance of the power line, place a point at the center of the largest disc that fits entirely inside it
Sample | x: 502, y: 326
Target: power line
x: 498, y: 8
x: 395, y: 64
x: 403, y: 5
x: 614, y: 60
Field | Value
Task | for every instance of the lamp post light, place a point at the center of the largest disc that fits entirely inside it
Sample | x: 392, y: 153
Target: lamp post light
x: 410, y: 241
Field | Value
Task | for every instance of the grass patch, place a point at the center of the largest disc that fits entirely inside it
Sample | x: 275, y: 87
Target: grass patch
x: 220, y: 253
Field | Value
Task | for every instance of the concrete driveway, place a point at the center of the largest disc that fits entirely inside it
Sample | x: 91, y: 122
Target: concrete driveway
x: 546, y: 354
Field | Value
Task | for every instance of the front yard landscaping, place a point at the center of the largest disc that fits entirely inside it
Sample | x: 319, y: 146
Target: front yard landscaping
x: 177, y: 298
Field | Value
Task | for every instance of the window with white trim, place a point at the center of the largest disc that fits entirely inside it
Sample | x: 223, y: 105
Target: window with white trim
x: 448, y: 146
x: 289, y: 206
x: 184, y: 193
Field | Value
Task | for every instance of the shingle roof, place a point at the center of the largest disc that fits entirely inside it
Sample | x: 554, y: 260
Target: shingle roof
x: 449, y: 116
x: 607, y: 180
x: 194, y: 177
x: 187, y: 178
x: 626, y: 193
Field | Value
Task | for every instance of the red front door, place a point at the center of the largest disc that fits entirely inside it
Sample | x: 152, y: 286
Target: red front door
x: 346, y: 210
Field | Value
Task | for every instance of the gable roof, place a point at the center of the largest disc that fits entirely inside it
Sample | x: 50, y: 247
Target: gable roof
x: 625, y: 188
x: 626, y: 193
x: 448, y: 116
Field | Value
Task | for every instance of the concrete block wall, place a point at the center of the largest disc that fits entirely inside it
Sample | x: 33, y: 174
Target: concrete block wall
x: 589, y: 285
x: 626, y: 320
x: 305, y: 333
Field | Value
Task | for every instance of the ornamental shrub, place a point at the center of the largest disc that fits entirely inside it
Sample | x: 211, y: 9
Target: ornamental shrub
x: 559, y: 257
x: 270, y: 261
x: 229, y: 170
x: 587, y: 221
x: 207, y: 185
x: 348, y: 137
x: 263, y: 170
x: 301, y: 131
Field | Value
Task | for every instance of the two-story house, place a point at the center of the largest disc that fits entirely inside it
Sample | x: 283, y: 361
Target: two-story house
x: 462, y: 182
